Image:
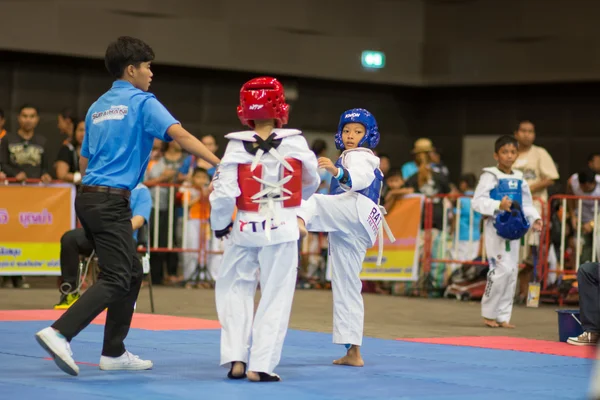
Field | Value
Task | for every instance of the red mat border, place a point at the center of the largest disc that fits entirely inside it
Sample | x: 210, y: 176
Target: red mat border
x: 151, y: 322
x: 512, y: 343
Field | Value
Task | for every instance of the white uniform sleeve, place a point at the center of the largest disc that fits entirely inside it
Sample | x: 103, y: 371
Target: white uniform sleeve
x: 482, y: 203
x: 225, y: 191
x: 531, y: 213
x: 361, y: 168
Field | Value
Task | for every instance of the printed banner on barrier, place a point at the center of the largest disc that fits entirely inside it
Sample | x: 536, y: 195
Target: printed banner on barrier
x: 32, y: 221
x: 401, y: 258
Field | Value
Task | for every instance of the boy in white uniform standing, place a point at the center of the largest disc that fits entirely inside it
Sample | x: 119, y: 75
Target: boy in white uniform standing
x: 352, y: 217
x: 266, y: 172
x: 503, y: 196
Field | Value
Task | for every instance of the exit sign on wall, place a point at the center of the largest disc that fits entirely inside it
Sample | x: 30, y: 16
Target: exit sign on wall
x: 373, y: 59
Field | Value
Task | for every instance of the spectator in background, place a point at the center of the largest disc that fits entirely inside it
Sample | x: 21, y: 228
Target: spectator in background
x: 469, y: 227
x: 396, y: 191
x: 156, y: 154
x: 191, y: 163
x: 430, y: 183
x: 384, y: 166
x: 165, y: 170
x: 66, y: 124
x: 593, y: 163
x: 437, y: 164
x: 585, y: 185
x: 319, y: 147
x: 67, y: 163
x: 24, y: 154
x: 536, y: 164
x: 2, y: 134
x: 422, y: 146
x: 540, y: 173
x: 198, y: 220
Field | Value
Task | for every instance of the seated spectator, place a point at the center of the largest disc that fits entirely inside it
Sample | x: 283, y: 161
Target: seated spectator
x: 66, y: 124
x: 67, y: 162
x: 588, y: 282
x: 585, y: 185
x: 396, y: 190
x: 74, y: 244
x: 23, y: 154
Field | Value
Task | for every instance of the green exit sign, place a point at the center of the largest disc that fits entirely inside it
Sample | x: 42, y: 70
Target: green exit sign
x: 373, y: 59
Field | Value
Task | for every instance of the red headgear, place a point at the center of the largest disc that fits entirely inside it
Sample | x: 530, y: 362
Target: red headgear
x: 262, y: 98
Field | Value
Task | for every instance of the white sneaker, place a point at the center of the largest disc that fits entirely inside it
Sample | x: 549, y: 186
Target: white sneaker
x: 57, y: 346
x: 126, y: 362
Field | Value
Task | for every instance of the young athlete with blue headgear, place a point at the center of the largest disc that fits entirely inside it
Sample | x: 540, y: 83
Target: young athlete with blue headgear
x: 503, y: 196
x: 353, y: 218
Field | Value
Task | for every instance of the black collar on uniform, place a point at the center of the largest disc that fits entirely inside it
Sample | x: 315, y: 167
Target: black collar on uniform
x: 265, y: 145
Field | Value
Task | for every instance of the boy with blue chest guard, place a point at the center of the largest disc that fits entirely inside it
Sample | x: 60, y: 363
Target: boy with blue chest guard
x: 503, y: 196
x: 353, y: 218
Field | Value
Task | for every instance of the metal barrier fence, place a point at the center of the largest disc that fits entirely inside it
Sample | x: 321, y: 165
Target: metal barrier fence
x: 577, y: 238
x: 441, y: 244
x: 176, y: 203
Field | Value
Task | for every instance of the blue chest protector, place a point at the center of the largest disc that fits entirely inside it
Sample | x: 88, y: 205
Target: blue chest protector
x: 513, y: 224
x: 508, y: 187
x: 373, y: 191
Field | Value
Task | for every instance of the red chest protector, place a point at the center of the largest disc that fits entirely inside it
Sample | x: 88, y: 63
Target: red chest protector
x: 250, y: 186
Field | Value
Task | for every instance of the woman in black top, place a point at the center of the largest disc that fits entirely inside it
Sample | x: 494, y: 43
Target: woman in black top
x: 67, y: 162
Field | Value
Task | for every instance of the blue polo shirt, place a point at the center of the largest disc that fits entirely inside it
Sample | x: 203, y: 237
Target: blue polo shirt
x: 140, y: 203
x: 120, y: 128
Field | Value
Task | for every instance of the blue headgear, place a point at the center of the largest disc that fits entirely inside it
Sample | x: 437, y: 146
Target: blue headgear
x: 512, y: 224
x: 361, y: 116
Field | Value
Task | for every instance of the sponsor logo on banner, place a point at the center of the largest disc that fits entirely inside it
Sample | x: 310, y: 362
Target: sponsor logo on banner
x: 33, y: 220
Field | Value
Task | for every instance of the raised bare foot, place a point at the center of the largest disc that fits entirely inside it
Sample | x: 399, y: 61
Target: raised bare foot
x: 506, y: 325
x: 490, y: 322
x: 352, y: 358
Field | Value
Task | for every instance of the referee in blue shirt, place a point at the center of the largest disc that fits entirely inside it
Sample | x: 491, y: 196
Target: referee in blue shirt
x: 120, y: 129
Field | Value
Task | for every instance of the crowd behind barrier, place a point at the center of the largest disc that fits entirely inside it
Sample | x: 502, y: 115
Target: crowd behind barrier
x: 444, y: 252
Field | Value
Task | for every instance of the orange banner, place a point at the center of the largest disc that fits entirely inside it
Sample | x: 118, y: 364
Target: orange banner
x: 32, y: 221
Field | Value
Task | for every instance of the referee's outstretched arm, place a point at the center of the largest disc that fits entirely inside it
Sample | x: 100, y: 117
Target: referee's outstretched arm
x: 189, y: 143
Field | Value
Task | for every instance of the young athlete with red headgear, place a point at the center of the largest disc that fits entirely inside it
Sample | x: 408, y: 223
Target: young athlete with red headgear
x: 265, y: 172
x: 352, y: 216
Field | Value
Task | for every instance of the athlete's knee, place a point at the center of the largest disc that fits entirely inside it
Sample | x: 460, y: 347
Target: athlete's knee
x: 69, y: 238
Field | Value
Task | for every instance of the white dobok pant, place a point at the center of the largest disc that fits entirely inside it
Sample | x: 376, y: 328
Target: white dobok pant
x: 257, y: 343
x: 497, y: 301
x: 348, y: 244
